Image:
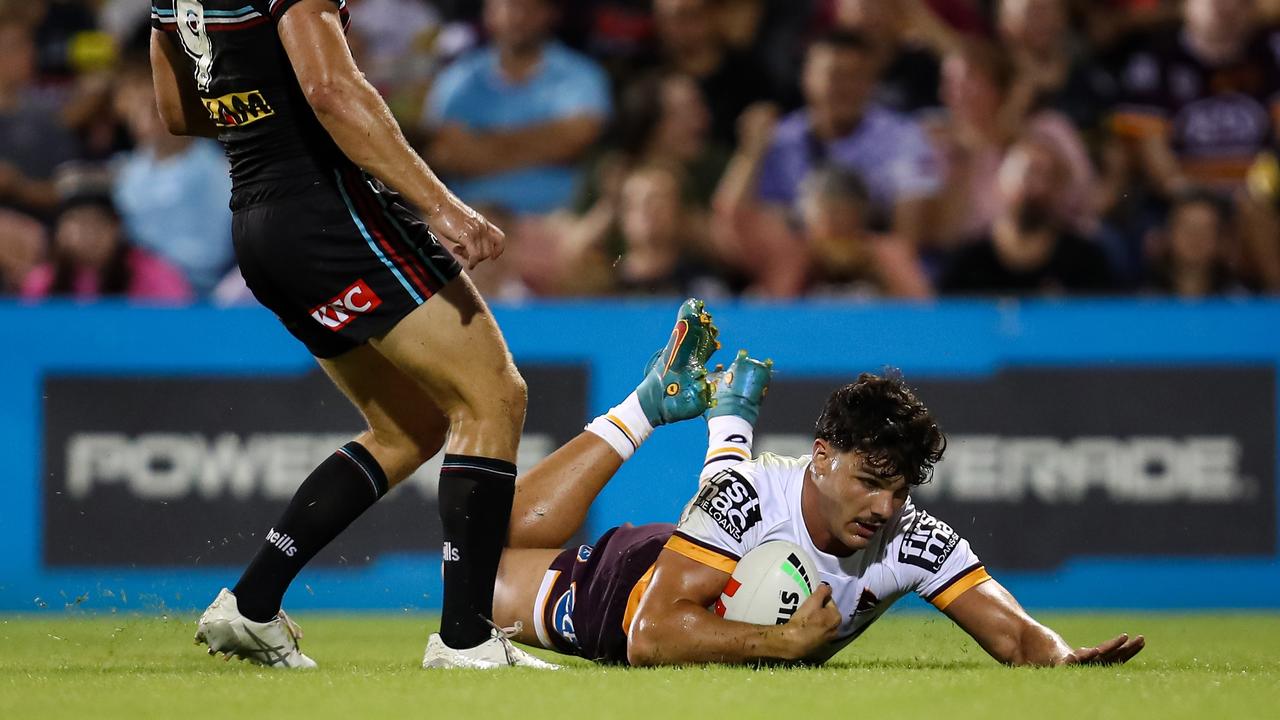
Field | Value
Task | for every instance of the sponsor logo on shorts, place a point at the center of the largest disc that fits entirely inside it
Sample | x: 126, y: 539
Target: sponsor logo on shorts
x: 343, y: 308
x: 732, y: 502
x: 928, y: 543
x: 562, y: 615
x: 237, y: 109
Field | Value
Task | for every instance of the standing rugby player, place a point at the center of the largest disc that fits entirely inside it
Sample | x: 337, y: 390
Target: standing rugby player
x: 325, y: 243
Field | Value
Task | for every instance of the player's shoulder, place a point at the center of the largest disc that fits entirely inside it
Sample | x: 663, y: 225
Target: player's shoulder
x: 921, y: 539
x: 770, y: 472
x: 752, y: 493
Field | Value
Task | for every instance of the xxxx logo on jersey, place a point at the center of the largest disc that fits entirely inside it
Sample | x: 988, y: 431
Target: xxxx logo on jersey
x: 237, y: 109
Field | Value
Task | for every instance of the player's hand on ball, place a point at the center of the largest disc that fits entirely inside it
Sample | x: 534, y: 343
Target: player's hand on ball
x: 816, y: 622
x: 1115, y: 651
x: 475, y: 239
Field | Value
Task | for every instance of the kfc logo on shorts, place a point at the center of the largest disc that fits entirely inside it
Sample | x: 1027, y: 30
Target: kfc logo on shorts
x: 341, y: 310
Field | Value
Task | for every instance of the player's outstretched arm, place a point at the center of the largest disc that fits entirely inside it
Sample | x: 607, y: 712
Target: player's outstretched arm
x: 991, y: 615
x: 354, y: 114
x: 176, y: 97
x: 672, y: 625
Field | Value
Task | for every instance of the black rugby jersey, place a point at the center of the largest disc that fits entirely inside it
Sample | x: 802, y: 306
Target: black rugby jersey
x: 272, y: 138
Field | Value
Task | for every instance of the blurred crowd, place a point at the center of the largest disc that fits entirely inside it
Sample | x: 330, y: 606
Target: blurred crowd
x: 765, y: 148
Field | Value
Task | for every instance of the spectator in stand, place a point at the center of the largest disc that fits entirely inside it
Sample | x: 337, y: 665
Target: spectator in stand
x: 33, y: 141
x: 663, y: 242
x: 1030, y: 250
x: 1050, y: 70
x: 1201, y: 103
x: 1190, y: 254
x: 91, y: 258
x: 22, y: 244
x: 973, y: 145
x: 662, y: 118
x: 691, y: 45
x: 846, y: 260
x: 839, y: 125
x: 171, y: 190
x: 661, y: 121
x: 909, y: 72
x: 510, y: 122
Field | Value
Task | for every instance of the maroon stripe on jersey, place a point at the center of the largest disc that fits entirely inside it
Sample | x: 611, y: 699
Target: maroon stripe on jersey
x: 225, y: 27
x: 374, y: 222
x: 945, y: 586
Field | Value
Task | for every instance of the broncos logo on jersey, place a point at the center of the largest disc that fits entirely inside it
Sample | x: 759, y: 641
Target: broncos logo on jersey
x: 562, y: 615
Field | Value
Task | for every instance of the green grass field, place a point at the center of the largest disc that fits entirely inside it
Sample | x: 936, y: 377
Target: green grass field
x: 1209, y: 667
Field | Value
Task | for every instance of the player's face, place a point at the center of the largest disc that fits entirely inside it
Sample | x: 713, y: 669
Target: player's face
x: 857, y: 502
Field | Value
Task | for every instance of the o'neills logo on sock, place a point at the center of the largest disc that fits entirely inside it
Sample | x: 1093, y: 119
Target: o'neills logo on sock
x: 450, y: 553
x: 283, y: 542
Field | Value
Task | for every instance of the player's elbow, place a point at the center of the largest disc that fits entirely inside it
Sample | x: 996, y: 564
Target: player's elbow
x: 173, y: 118
x: 327, y: 96
x: 643, y: 642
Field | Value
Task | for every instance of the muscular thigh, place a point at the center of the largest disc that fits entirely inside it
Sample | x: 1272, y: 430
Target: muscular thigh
x: 515, y: 596
x: 405, y: 425
x: 451, y: 345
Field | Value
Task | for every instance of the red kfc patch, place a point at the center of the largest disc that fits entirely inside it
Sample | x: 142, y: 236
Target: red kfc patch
x: 358, y: 299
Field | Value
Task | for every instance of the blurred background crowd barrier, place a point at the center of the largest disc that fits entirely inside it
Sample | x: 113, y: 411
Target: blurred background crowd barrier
x: 1103, y: 453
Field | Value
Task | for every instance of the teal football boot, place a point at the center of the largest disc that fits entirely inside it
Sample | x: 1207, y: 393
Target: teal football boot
x: 740, y: 390
x: 675, y: 385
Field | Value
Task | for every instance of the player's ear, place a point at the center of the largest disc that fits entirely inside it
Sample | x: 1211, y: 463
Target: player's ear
x: 822, y: 452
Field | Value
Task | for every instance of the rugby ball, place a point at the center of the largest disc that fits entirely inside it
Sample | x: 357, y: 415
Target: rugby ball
x: 768, y: 584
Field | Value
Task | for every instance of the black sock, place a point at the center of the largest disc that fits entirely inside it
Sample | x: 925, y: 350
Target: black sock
x: 475, y: 509
x: 346, y: 484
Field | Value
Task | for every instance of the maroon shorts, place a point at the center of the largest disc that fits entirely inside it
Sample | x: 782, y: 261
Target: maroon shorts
x: 590, y: 592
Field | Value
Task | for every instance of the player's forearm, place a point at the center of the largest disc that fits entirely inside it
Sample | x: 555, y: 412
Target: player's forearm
x: 1036, y: 645
x: 362, y: 125
x: 685, y: 634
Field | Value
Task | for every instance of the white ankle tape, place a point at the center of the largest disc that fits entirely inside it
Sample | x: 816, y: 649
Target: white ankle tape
x: 624, y: 427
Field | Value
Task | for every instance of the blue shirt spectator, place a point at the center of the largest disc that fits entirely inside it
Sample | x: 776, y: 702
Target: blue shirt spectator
x: 172, y: 192
x: 176, y: 207
x: 840, y: 126
x: 511, y: 120
x: 888, y: 150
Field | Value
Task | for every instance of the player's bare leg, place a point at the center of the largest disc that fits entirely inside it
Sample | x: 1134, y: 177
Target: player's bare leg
x: 404, y: 430
x: 453, y: 349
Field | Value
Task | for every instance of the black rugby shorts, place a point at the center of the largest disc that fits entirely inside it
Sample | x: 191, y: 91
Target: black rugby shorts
x: 339, y: 263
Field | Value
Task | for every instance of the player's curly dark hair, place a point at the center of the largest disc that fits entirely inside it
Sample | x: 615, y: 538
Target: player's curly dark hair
x: 881, y: 418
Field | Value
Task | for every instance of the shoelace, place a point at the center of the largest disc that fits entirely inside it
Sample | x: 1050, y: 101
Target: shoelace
x: 294, y: 630
x: 504, y: 636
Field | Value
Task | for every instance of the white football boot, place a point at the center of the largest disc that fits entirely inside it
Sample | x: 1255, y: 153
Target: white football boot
x: 498, y: 651
x: 274, y: 643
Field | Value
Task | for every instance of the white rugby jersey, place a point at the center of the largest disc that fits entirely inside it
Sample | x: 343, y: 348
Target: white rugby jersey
x: 757, y: 501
